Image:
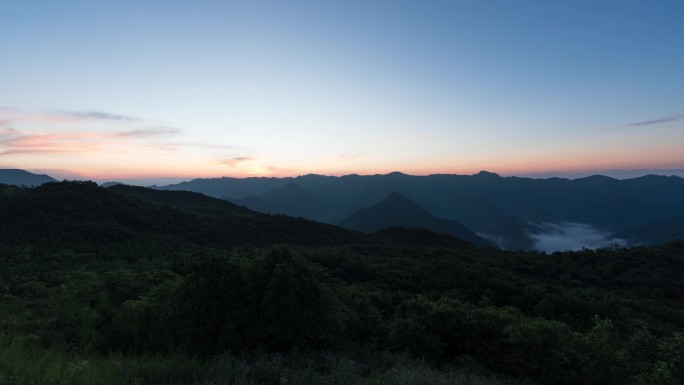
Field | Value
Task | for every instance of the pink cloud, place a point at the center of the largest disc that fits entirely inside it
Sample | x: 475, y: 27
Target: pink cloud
x: 16, y: 142
x: 8, y: 132
x: 71, y: 141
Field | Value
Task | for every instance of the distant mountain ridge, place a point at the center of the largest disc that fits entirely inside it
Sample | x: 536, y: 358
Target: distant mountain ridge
x: 398, y: 210
x: 18, y: 177
x: 504, y: 209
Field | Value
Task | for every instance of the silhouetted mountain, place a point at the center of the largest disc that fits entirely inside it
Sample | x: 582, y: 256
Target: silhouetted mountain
x: 658, y: 232
x: 486, y: 174
x: 398, y: 210
x: 234, y: 188
x: 23, y: 178
x: 83, y: 213
x: 504, y: 209
x: 291, y: 199
x: 110, y: 184
x: 192, y: 202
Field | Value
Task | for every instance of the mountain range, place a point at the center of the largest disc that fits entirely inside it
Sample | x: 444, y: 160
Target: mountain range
x: 511, y: 212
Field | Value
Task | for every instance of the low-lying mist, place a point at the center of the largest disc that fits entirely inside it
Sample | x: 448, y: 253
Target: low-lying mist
x: 571, y: 236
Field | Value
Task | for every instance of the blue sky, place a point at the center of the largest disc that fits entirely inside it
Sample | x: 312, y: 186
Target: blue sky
x: 144, y: 89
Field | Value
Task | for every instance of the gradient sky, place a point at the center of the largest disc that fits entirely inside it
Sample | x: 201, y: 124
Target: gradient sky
x: 147, y: 89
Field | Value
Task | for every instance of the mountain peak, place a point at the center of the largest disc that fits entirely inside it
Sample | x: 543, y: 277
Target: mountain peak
x: 396, y: 201
x: 598, y: 177
x: 487, y: 174
x: 396, y: 173
x: 398, y: 210
x: 395, y: 196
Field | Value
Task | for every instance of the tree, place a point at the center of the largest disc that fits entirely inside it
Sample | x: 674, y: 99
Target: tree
x: 289, y: 303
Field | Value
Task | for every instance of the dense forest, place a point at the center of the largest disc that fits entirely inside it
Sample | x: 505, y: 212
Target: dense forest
x: 133, y: 285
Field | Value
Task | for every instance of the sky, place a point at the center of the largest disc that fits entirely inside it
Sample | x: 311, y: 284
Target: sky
x: 151, y: 90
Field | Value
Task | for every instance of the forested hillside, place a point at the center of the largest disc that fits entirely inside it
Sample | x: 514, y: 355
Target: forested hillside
x: 129, y: 285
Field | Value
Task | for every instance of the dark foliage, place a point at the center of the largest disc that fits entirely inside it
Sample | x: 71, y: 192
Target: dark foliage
x: 98, y: 270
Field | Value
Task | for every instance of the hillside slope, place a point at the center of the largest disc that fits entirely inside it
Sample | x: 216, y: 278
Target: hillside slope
x: 398, y: 210
x: 82, y: 213
x: 23, y: 178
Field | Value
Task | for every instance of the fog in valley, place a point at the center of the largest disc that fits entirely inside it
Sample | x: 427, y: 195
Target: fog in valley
x: 565, y: 236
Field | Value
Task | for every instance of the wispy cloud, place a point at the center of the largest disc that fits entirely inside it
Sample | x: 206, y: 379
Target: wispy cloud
x: 43, y: 150
x: 13, y: 114
x: 147, y: 132
x: 7, y: 133
x: 155, y: 139
x: 98, y: 143
x: 236, y: 160
x: 14, y: 142
x: 24, y: 131
x: 278, y: 171
x: 650, y: 122
x: 99, y: 115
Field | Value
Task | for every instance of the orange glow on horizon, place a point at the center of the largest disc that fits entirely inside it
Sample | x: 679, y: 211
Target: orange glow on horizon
x: 189, y: 173
x: 137, y: 152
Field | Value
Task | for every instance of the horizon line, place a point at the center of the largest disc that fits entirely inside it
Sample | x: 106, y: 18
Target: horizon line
x: 151, y: 180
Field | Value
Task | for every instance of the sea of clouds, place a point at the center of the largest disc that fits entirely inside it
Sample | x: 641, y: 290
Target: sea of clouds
x: 565, y: 236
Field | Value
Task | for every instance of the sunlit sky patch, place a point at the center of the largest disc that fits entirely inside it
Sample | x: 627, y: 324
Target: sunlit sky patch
x: 180, y: 89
